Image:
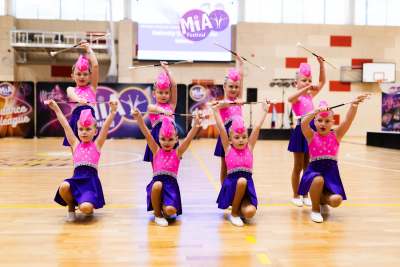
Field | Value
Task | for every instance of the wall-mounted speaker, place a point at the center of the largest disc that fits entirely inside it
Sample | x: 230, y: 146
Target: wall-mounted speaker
x: 251, y: 95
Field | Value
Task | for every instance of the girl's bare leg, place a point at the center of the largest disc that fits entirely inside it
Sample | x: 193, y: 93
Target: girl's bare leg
x: 86, y: 207
x: 333, y: 200
x: 66, y: 194
x: 156, y: 198
x: 316, y: 189
x: 169, y: 210
x: 297, y: 168
x: 306, y: 162
x: 247, y: 208
x: 237, y: 200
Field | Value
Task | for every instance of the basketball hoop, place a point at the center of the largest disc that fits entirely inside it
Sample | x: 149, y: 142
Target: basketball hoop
x: 381, y: 81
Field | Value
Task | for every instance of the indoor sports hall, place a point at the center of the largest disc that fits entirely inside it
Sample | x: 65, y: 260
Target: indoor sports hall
x: 199, y: 133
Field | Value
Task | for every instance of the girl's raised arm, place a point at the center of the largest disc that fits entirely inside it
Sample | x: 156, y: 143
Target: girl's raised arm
x: 257, y: 126
x: 342, y: 129
x: 241, y: 75
x: 69, y: 133
x: 222, y: 132
x: 149, y: 138
x: 322, y: 77
x: 95, y: 65
x: 189, y: 137
x: 104, y: 130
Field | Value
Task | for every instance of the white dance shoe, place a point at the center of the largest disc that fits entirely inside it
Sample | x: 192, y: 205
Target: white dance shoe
x: 316, y: 217
x: 324, y: 209
x: 160, y: 221
x: 307, y: 201
x: 297, y: 202
x: 71, y: 217
x: 236, y: 221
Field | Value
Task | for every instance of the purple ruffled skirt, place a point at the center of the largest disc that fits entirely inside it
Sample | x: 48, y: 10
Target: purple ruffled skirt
x: 298, y: 143
x: 328, y: 168
x: 85, y: 187
x: 171, y: 196
x: 228, y: 189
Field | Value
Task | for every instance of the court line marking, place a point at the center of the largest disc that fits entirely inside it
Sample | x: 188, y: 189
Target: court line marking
x: 263, y: 259
x: 251, y: 239
x: 141, y: 206
x: 36, y: 162
x: 368, y: 152
x: 205, y: 169
x: 368, y: 166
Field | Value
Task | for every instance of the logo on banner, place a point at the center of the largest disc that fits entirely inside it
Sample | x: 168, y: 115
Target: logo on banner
x: 196, y: 25
x: 6, y: 90
x: 197, y: 93
x: 133, y: 97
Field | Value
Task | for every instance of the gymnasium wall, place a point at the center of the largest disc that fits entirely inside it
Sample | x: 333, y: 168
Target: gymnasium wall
x: 270, y: 45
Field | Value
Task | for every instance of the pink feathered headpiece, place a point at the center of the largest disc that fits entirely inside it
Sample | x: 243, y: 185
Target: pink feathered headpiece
x: 324, y: 104
x: 233, y: 74
x: 82, y: 64
x: 162, y: 81
x: 167, y: 128
x: 305, y: 69
x: 86, y: 119
x: 237, y: 125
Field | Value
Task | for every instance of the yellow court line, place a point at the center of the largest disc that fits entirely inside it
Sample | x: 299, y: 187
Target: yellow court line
x: 251, y: 239
x: 135, y: 206
x: 33, y: 163
x: 58, y: 206
x: 205, y: 169
x: 263, y: 259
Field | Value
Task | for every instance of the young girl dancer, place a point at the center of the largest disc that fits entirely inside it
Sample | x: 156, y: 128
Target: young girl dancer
x: 83, y: 93
x: 233, y: 87
x: 84, y: 188
x: 163, y: 193
x: 322, y: 176
x: 302, y: 103
x: 238, y: 187
x: 164, y: 89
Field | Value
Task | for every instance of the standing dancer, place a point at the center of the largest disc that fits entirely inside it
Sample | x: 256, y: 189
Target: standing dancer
x: 84, y: 188
x: 302, y: 103
x: 163, y: 195
x: 322, y: 176
x: 233, y: 87
x: 164, y: 89
x: 238, y: 187
x: 83, y: 93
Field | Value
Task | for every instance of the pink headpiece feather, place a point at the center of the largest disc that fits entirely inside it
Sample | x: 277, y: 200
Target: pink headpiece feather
x: 233, y: 74
x: 237, y: 125
x: 324, y: 104
x: 82, y: 64
x: 167, y: 128
x: 86, y: 119
x: 162, y: 81
x: 305, y: 69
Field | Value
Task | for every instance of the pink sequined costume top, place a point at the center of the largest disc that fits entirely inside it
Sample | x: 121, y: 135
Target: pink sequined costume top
x: 303, y: 106
x: 156, y: 118
x: 84, y: 93
x: 324, y: 147
x: 239, y: 160
x: 228, y: 112
x: 166, y: 163
x: 86, y: 154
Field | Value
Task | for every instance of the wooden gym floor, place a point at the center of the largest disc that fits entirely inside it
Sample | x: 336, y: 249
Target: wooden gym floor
x: 364, y: 231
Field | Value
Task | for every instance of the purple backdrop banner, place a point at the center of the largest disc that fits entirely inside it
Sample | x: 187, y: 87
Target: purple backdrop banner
x: 129, y: 96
